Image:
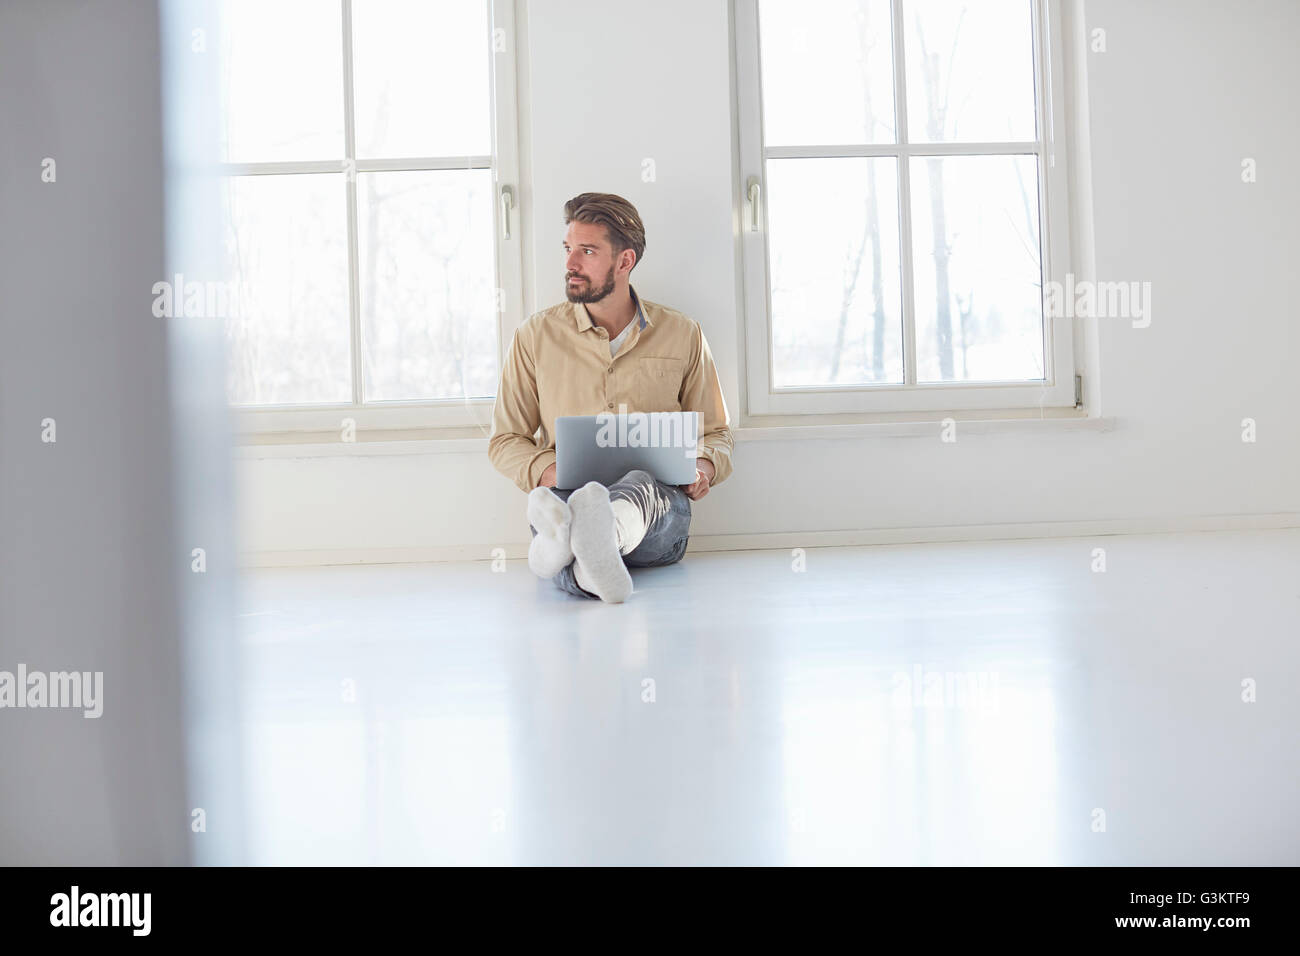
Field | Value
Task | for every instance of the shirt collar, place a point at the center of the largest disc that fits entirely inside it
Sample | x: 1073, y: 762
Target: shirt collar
x: 583, y: 317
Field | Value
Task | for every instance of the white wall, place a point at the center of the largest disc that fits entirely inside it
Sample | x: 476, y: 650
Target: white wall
x: 1184, y: 91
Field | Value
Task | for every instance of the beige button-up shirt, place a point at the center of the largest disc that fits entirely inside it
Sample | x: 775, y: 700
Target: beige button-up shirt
x: 559, y: 364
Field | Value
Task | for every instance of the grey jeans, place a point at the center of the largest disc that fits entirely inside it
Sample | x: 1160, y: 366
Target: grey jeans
x: 667, y: 513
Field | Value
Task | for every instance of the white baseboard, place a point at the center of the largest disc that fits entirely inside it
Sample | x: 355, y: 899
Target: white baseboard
x: 783, y: 540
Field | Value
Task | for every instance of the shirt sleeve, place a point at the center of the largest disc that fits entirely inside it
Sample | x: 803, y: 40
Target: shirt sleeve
x: 516, y: 416
x: 702, y: 392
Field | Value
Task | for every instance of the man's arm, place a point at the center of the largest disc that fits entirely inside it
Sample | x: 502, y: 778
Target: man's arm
x: 701, y: 392
x: 516, y: 416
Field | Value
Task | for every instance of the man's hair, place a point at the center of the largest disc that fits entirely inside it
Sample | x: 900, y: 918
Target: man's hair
x: 616, y: 214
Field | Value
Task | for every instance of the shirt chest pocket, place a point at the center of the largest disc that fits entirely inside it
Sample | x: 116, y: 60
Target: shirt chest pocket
x: 654, y: 384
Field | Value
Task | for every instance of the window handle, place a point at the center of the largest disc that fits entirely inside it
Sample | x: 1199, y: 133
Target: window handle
x: 507, y: 203
x: 753, y: 191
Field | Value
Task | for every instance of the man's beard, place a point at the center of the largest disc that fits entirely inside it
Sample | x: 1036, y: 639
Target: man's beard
x: 591, y: 294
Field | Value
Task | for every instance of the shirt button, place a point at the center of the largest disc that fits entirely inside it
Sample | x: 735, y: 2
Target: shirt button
x: 610, y: 405
x: 611, y: 368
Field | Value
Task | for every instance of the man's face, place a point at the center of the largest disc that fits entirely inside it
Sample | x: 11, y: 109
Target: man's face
x: 590, y: 263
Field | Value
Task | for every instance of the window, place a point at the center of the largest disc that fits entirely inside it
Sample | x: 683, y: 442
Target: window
x: 904, y: 203
x: 370, y: 231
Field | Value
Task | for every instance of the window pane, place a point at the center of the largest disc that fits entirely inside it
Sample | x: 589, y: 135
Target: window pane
x: 976, y: 262
x: 287, y: 247
x: 827, y: 72
x: 281, y: 80
x: 970, y: 71
x: 421, y: 76
x: 428, y: 293
x: 836, y: 317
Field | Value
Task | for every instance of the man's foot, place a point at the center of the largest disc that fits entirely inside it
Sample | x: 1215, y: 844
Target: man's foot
x: 549, y: 554
x: 598, y: 566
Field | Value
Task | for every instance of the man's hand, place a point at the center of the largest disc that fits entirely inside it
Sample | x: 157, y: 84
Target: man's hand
x: 704, y: 472
x: 548, y: 477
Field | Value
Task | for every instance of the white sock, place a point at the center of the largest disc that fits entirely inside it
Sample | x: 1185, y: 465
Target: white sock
x: 598, y: 564
x: 628, y: 523
x: 549, y: 553
x: 580, y: 576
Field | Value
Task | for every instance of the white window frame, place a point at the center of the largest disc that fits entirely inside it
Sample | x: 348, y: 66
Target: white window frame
x: 1057, y: 390
x: 504, y: 163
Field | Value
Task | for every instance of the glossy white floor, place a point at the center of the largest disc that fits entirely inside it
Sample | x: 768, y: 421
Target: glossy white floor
x: 998, y: 702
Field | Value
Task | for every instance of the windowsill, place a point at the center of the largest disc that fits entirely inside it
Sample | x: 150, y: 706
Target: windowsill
x: 444, y: 441
x: 902, y: 425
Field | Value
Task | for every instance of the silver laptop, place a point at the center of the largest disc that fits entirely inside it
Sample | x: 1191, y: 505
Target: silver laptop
x: 606, y: 447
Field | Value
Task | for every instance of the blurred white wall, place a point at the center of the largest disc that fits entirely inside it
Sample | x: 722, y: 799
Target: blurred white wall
x: 97, y: 529
x: 202, y: 436
x: 86, y: 524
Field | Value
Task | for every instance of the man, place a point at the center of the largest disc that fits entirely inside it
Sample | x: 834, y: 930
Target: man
x: 658, y: 361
